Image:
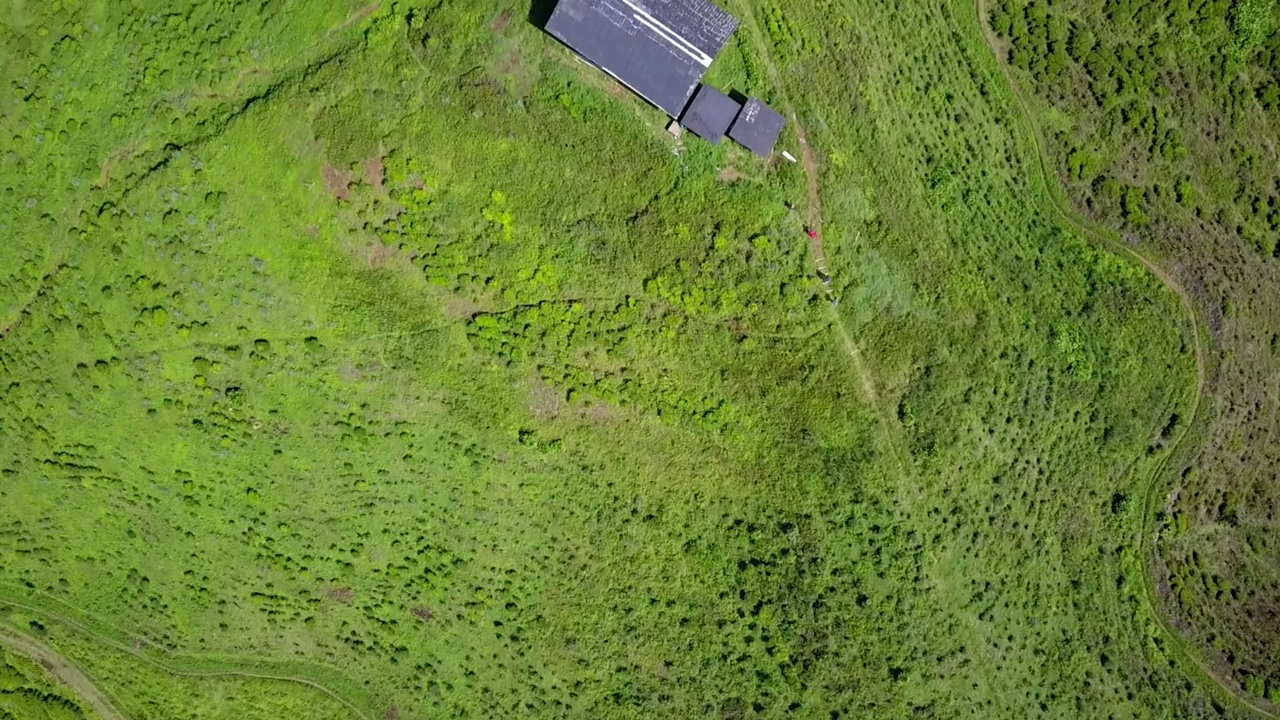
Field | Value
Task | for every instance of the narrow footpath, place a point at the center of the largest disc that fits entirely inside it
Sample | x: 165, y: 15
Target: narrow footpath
x: 66, y: 671
x: 61, y: 669
x: 1069, y: 217
x: 814, y: 207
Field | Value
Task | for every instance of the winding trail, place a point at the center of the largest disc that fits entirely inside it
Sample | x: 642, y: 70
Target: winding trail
x: 67, y: 672
x: 47, y: 657
x: 892, y: 426
x: 64, y: 670
x: 1068, y: 215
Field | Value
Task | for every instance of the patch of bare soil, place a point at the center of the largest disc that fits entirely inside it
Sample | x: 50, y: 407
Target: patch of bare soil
x: 357, y: 16
x: 729, y: 174
x: 510, y: 63
x: 601, y: 412
x: 356, y: 372
x: 456, y: 307
x: 738, y: 330
x: 545, y: 401
x: 343, y: 595
x: 616, y: 89
x: 375, y: 172
x: 375, y: 254
x: 109, y: 163
x: 337, y: 182
x: 500, y: 23
x: 234, y: 90
x: 1264, y: 613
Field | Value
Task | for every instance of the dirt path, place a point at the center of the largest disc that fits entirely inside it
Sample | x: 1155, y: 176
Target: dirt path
x: 811, y: 179
x: 1068, y: 215
x: 47, y: 657
x: 357, y: 16
x: 814, y: 214
x: 62, y: 669
x: 137, y: 654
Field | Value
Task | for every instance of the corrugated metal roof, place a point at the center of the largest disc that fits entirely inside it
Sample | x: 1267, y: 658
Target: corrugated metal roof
x: 658, y: 48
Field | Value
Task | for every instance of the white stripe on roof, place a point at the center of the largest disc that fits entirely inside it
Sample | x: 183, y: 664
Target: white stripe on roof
x: 670, y: 35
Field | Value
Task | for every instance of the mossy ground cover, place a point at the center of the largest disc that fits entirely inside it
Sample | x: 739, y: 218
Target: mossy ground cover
x: 392, y: 346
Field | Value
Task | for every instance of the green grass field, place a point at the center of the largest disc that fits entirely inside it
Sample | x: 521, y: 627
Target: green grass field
x: 387, y: 362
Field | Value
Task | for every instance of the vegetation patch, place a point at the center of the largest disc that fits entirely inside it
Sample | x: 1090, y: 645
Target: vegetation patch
x: 383, y: 361
x: 1173, y: 112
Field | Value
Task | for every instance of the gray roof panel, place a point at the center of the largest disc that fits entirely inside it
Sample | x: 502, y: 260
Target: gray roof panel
x: 757, y: 127
x: 710, y: 114
x: 704, y: 25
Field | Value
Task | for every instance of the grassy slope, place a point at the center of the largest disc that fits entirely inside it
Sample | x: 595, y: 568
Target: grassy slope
x: 523, y: 433
x: 1193, y: 136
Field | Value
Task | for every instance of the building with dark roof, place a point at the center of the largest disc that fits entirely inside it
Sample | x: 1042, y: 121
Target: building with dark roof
x: 710, y: 114
x: 757, y: 127
x: 661, y: 49
x: 658, y: 48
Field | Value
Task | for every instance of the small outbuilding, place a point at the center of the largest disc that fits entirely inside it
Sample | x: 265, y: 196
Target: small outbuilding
x: 710, y: 114
x: 757, y: 127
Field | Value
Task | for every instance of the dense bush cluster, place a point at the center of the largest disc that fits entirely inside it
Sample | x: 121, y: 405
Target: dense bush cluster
x: 1165, y: 97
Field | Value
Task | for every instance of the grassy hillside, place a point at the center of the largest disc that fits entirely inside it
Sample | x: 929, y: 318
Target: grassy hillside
x: 391, y: 350
x: 1164, y: 122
